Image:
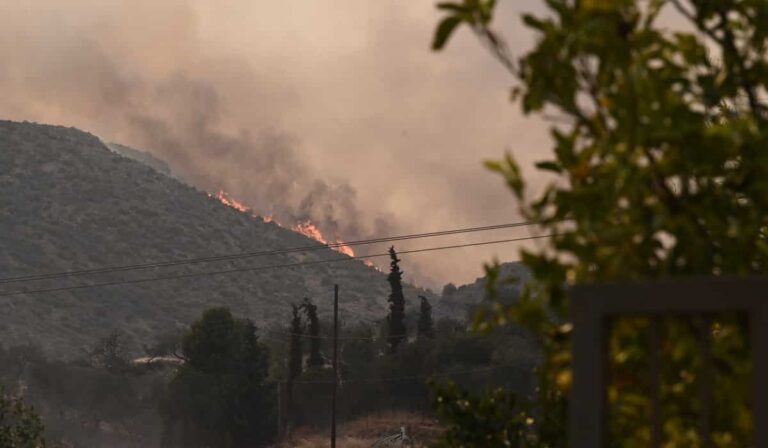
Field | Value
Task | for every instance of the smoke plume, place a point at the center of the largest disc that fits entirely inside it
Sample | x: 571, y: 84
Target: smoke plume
x: 332, y: 111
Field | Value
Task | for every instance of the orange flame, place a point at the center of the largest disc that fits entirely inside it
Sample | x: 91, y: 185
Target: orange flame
x: 308, y: 229
x: 305, y: 228
x: 226, y: 199
x: 344, y: 249
x: 371, y: 264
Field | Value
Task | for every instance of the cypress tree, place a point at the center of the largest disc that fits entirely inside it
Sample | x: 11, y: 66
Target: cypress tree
x: 313, y: 331
x: 295, y: 352
x: 396, y: 318
x: 294, y: 359
x: 426, y: 329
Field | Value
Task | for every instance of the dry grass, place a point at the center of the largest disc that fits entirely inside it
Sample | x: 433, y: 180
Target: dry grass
x: 364, y: 431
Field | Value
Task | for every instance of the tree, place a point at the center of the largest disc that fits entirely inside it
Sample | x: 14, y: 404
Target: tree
x: 313, y: 332
x: 489, y: 419
x: 659, y: 168
x: 219, y: 396
x: 166, y: 345
x: 110, y: 354
x: 295, y: 355
x: 20, y: 426
x: 396, y: 319
x: 295, y: 358
x: 426, y: 329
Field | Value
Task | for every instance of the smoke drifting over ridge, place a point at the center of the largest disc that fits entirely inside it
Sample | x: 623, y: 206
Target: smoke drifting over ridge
x: 264, y: 170
x: 334, y: 112
x: 178, y: 114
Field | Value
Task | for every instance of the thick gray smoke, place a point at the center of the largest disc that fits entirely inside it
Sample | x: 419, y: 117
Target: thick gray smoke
x: 263, y: 169
x: 181, y: 116
x: 333, y: 111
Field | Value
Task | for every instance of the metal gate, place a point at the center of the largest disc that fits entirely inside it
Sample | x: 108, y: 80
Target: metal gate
x: 594, y: 306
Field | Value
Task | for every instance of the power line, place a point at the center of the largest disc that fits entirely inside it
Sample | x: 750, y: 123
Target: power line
x: 261, y: 268
x: 258, y: 268
x: 241, y: 255
x: 309, y: 336
x: 401, y: 378
x: 260, y: 253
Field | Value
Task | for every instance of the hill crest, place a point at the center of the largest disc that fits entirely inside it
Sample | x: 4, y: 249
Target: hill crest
x: 69, y: 202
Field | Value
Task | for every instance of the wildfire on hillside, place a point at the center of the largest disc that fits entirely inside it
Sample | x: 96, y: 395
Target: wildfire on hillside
x: 226, y: 199
x: 306, y: 228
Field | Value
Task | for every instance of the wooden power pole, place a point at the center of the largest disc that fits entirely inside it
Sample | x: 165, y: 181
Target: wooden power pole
x: 335, y: 362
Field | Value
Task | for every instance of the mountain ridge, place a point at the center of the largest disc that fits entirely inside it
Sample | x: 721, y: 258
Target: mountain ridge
x: 69, y: 201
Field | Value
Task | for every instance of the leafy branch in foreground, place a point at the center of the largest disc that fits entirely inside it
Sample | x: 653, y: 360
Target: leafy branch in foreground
x: 486, y: 420
x: 660, y: 167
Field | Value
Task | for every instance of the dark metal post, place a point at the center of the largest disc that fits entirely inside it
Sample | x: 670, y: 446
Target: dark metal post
x: 593, y: 305
x: 335, y: 362
x: 758, y: 323
x: 654, y: 358
x: 706, y: 380
x: 279, y: 409
x: 588, y: 397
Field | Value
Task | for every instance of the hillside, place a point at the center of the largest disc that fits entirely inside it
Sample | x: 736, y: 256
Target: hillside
x: 463, y: 299
x: 67, y: 202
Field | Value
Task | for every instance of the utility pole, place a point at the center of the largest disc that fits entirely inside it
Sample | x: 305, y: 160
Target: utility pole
x: 279, y: 409
x: 335, y: 362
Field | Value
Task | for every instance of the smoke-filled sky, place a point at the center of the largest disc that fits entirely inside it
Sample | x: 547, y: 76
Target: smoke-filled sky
x: 332, y: 110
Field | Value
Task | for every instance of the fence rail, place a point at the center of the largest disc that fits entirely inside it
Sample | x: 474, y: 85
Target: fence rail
x: 594, y: 306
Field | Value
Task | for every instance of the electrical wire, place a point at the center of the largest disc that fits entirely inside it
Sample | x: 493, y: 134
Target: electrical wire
x: 260, y: 268
x: 400, y: 378
x: 308, y: 336
x: 241, y: 255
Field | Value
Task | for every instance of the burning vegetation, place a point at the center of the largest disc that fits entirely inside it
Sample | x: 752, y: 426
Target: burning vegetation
x: 226, y: 199
x: 306, y: 227
x: 311, y: 230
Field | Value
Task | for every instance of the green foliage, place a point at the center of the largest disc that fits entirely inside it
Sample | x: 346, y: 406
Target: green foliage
x: 398, y: 381
x: 219, y: 396
x: 489, y: 419
x: 295, y: 355
x: 475, y: 13
x: 397, y: 332
x: 84, y: 405
x: 313, y: 331
x: 661, y: 171
x: 20, y: 426
x: 425, y: 327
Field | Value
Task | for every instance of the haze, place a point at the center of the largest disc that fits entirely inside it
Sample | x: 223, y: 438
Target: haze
x: 334, y: 111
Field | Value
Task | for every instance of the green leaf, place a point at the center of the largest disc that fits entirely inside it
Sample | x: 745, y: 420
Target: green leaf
x: 533, y: 22
x: 456, y: 7
x: 549, y: 166
x: 486, y: 10
x: 600, y: 5
x: 493, y: 165
x: 444, y: 31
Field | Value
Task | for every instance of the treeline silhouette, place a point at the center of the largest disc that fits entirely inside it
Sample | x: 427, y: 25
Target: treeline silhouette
x: 386, y: 366
x: 223, y: 382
